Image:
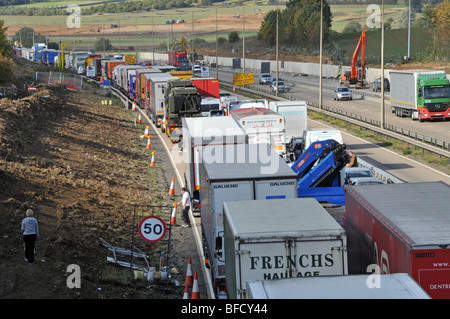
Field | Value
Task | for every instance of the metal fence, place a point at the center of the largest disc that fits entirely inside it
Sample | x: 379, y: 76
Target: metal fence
x: 70, y: 81
x: 8, y: 91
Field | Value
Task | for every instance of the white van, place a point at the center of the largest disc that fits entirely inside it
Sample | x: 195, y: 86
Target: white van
x: 320, y: 134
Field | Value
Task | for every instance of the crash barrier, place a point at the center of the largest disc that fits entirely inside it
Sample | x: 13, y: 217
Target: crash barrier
x: 70, y: 81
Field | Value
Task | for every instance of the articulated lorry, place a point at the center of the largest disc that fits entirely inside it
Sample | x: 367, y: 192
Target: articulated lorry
x: 155, y: 88
x: 178, y: 58
x: 420, y: 94
x: 202, y: 131
x: 181, y: 99
x: 401, y: 228
x: 284, y: 238
x: 233, y: 173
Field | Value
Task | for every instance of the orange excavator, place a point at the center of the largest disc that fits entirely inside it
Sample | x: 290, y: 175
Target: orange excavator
x: 354, y: 77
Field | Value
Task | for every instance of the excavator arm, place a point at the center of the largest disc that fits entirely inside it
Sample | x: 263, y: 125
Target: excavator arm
x: 361, y: 46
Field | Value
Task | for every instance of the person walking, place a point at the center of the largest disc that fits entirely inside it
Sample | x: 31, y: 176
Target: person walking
x: 30, y: 230
x: 186, y: 202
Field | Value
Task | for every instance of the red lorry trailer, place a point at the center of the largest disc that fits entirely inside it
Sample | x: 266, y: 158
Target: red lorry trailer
x: 401, y: 228
x: 207, y: 87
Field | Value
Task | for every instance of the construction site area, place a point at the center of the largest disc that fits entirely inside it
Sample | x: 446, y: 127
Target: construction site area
x: 80, y: 161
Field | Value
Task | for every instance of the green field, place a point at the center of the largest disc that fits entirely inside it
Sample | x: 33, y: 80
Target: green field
x: 395, y: 42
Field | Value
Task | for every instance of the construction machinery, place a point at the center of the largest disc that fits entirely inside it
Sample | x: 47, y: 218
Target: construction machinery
x: 61, y: 58
x: 318, y: 171
x: 356, y: 75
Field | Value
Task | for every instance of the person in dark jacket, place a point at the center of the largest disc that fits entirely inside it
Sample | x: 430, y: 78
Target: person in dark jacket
x: 30, y: 230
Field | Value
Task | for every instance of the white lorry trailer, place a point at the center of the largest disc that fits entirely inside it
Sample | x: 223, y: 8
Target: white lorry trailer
x: 280, y: 239
x: 202, y: 131
x: 263, y: 126
x: 391, y: 286
x: 158, y: 85
x: 243, y: 104
x: 233, y: 173
x: 296, y: 121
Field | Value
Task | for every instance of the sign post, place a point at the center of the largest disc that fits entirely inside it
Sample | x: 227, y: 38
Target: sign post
x: 152, y: 229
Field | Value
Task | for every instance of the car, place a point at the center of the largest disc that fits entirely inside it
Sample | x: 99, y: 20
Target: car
x: 265, y: 78
x: 359, y: 176
x: 376, y: 85
x: 197, y: 69
x: 342, y: 93
x: 281, y: 87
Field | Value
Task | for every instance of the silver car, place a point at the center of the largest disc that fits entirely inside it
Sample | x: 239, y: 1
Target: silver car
x: 281, y: 86
x: 359, y: 176
x: 342, y: 93
x: 265, y: 78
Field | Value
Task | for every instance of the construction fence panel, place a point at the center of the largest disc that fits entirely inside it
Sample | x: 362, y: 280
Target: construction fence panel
x: 70, y: 81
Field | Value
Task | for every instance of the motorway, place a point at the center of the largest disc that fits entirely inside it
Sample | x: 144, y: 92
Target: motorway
x: 405, y: 169
x: 306, y: 88
x: 399, y: 166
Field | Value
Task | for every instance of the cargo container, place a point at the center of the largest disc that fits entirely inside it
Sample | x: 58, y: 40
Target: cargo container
x: 263, y: 126
x: 140, y: 83
x: 295, y: 116
x: 130, y: 85
x: 420, y: 94
x: 284, y: 238
x: 110, y: 65
x: 199, y: 132
x: 207, y: 87
x: 402, y: 228
x: 233, y: 173
x: 391, y: 286
x: 157, y: 83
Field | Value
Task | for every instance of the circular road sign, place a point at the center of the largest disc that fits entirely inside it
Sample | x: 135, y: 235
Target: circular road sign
x: 152, y: 229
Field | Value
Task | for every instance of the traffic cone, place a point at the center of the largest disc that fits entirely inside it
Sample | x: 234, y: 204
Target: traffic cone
x: 172, y: 190
x: 139, y: 118
x: 149, y: 146
x: 189, y: 279
x: 152, y: 163
x: 173, y: 219
x: 133, y: 106
x: 195, y: 291
x: 146, y: 131
x: 186, y: 293
x: 234, y: 89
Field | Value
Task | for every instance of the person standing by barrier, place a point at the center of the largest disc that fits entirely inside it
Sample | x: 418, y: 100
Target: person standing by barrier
x: 30, y: 230
x: 353, y: 160
x: 186, y: 201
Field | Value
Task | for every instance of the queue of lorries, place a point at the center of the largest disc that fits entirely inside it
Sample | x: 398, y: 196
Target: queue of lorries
x: 262, y: 183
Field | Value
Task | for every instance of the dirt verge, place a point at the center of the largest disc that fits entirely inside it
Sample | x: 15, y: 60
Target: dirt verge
x: 83, y: 167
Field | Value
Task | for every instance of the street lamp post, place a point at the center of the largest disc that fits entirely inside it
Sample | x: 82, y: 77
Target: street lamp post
x: 321, y: 38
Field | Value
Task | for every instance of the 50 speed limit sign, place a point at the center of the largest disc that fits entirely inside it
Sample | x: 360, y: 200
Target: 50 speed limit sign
x: 152, y: 229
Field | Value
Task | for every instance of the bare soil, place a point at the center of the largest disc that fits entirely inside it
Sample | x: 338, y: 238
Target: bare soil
x: 83, y: 167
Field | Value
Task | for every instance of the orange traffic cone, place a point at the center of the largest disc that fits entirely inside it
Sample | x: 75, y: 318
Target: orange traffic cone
x: 172, y: 189
x: 173, y: 218
x: 133, y: 106
x: 189, y: 274
x: 234, y: 89
x: 195, y: 291
x: 146, y: 131
x: 186, y: 293
x: 152, y: 163
x: 149, y: 146
x: 139, y: 118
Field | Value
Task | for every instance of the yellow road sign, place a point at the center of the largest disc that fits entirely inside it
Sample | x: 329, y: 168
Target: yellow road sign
x: 243, y: 79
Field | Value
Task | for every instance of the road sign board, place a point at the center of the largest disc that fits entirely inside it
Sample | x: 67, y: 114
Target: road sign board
x: 243, y: 79
x: 152, y: 229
